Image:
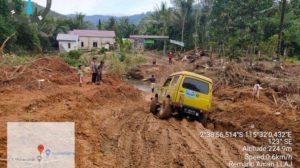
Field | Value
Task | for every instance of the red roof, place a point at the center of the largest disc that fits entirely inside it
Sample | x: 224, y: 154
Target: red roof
x: 93, y: 33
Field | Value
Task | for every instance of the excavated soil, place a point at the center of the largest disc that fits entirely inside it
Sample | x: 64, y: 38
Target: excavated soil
x: 114, y: 127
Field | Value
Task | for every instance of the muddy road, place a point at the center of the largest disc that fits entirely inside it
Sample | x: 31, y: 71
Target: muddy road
x: 118, y: 134
x: 114, y: 127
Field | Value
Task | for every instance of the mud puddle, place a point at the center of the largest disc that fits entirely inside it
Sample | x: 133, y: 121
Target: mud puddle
x: 140, y: 85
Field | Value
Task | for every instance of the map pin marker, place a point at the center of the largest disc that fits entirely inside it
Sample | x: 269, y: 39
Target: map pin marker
x: 48, y: 152
x: 41, y: 148
x: 39, y: 158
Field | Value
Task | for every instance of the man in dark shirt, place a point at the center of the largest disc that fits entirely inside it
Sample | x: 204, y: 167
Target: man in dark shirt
x: 152, y: 80
x: 94, y: 70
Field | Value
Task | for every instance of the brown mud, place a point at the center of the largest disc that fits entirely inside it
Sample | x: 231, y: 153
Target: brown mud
x: 114, y: 127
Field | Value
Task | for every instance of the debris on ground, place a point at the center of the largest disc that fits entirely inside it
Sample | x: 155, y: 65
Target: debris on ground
x: 114, y: 127
x: 54, y: 71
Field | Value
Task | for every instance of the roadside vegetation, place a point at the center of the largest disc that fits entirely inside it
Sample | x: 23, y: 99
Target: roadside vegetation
x: 231, y: 28
x: 15, y: 60
x: 117, y: 62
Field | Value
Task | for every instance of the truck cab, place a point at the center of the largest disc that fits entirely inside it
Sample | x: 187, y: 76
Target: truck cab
x: 189, y: 94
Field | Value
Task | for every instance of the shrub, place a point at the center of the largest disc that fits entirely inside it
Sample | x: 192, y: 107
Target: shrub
x: 116, y: 67
x: 122, y: 57
x: 120, y: 66
x: 74, y: 54
x: 103, y: 50
x: 72, y: 57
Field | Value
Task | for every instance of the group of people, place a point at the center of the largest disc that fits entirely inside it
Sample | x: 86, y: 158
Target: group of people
x: 96, y: 70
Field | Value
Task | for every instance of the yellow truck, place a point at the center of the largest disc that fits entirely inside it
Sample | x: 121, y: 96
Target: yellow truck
x: 184, y: 94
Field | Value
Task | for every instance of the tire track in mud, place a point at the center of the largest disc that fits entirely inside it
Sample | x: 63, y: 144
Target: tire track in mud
x: 118, y: 131
x: 145, y: 141
x: 127, y: 135
x: 201, y: 150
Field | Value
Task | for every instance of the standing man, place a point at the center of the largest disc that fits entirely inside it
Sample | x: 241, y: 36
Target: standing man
x: 170, y: 55
x: 94, y: 71
x: 100, y: 71
x: 152, y: 80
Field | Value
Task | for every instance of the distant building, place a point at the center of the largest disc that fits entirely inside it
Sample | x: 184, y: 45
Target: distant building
x: 86, y: 40
x: 141, y: 40
x: 89, y: 39
x: 67, y: 42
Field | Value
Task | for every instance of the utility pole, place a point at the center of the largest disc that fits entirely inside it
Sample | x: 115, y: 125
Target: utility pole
x: 281, y: 27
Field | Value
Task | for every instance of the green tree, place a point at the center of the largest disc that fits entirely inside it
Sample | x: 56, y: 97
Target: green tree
x: 27, y: 37
x: 99, y: 26
x: 183, y: 10
x: 111, y: 24
x: 124, y: 28
x: 4, y: 12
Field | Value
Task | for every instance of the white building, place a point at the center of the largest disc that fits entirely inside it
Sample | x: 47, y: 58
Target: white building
x: 86, y: 40
x: 89, y: 39
x: 67, y: 42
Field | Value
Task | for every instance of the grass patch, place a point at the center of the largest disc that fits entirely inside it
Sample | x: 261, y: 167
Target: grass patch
x: 15, y: 60
x: 121, y: 64
x: 294, y: 60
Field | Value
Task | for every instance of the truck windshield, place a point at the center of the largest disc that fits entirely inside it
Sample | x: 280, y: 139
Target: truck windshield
x: 196, y: 85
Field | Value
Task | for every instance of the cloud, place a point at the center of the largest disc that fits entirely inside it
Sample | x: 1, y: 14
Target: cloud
x: 111, y: 7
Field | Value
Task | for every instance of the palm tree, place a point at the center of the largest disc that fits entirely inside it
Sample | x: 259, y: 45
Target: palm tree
x: 79, y: 20
x: 163, y: 15
x: 160, y: 20
x: 183, y: 9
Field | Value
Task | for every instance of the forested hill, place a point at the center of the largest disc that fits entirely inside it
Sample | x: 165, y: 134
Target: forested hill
x: 51, y: 13
x: 132, y: 18
x: 94, y: 19
x: 229, y: 28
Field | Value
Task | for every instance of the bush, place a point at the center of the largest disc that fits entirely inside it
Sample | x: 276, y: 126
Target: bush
x: 122, y: 57
x: 116, y: 66
x: 103, y: 50
x: 74, y: 54
x: 120, y: 66
x: 72, y: 57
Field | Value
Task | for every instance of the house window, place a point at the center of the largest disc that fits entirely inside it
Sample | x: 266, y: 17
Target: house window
x: 82, y: 44
x: 95, y: 44
x: 69, y: 45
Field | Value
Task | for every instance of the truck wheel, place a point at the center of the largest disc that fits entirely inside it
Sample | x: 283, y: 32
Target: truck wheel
x: 153, y: 107
x: 202, y: 118
x: 165, y: 109
x: 179, y: 117
x: 190, y: 119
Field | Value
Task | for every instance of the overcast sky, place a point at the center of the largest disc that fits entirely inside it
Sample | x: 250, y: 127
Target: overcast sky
x: 106, y: 7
